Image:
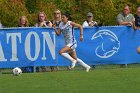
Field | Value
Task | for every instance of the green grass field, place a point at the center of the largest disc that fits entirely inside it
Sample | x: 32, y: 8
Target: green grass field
x: 120, y: 80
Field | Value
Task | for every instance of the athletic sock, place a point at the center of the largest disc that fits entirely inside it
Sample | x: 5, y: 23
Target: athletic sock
x: 67, y: 56
x: 82, y: 63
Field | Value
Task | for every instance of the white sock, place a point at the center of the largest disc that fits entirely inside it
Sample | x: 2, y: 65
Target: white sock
x: 67, y: 56
x: 82, y: 63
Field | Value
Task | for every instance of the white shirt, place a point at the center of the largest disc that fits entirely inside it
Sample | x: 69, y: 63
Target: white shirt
x: 68, y: 32
x: 86, y: 24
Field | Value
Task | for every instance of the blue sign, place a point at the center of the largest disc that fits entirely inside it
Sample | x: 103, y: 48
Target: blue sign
x: 20, y: 47
x: 110, y: 45
x: 27, y: 47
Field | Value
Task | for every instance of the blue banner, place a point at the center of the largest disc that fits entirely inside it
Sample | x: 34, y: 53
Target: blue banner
x: 110, y: 45
x: 20, y: 47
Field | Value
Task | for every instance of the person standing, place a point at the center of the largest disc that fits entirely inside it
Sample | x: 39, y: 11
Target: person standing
x: 42, y: 21
x: 137, y: 19
x: 57, y: 18
x: 90, y: 21
x: 68, y: 51
x: 56, y: 21
x: 23, y: 22
x: 125, y: 17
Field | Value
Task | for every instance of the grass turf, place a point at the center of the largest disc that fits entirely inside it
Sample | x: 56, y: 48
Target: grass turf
x: 120, y: 80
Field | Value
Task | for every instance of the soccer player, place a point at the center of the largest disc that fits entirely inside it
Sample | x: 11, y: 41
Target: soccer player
x: 68, y: 51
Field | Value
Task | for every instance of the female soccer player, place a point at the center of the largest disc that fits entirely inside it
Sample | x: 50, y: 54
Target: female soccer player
x: 68, y: 51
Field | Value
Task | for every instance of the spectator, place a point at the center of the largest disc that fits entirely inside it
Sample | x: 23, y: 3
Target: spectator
x: 57, y: 18
x: 125, y: 17
x: 56, y: 21
x: 137, y: 19
x: 23, y: 22
x: 42, y: 21
x: 89, y: 22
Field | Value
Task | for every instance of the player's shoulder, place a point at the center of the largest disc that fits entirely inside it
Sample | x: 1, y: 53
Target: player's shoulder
x: 72, y: 23
x: 60, y: 25
x: 69, y: 22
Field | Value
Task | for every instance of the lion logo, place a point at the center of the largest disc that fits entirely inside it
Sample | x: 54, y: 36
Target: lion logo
x: 109, y: 44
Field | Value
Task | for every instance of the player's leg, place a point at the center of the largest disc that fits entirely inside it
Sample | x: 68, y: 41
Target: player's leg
x: 64, y: 53
x: 87, y: 67
x: 73, y: 55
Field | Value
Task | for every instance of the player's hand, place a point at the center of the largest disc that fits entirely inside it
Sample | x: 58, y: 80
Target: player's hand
x: 54, y: 26
x: 81, y: 37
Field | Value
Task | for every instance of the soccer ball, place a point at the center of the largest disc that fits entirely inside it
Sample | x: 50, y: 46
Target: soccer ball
x: 17, y: 71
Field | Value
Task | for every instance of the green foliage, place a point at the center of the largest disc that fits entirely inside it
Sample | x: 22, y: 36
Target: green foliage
x: 105, y: 11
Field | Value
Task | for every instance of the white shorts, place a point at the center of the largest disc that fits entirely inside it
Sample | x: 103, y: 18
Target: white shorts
x: 72, y: 45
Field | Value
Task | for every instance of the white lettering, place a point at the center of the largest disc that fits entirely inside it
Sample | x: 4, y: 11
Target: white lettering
x: 14, y: 44
x: 51, y: 45
x: 28, y: 48
x: 2, y: 58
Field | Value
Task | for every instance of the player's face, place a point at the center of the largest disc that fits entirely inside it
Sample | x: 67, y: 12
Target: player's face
x: 64, y: 18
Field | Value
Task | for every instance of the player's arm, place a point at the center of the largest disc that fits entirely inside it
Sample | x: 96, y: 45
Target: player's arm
x: 81, y: 29
x: 58, y: 32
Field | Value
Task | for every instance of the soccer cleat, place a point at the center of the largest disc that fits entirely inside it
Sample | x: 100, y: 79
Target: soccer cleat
x: 88, y: 68
x: 73, y: 63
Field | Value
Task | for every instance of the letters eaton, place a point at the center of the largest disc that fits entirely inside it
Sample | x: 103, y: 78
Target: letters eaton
x: 14, y: 40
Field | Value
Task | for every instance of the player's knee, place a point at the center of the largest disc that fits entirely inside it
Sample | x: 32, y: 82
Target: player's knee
x: 75, y: 58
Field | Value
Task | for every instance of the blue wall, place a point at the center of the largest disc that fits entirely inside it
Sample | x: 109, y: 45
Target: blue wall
x: 40, y: 46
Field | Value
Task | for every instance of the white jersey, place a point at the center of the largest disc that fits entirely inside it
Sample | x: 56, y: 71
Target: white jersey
x: 67, y: 31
